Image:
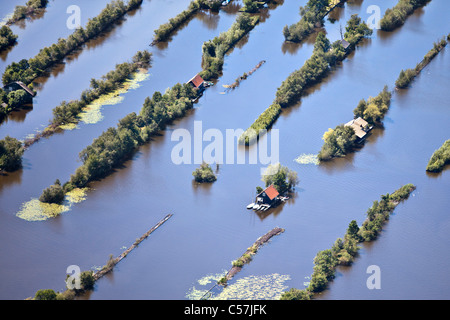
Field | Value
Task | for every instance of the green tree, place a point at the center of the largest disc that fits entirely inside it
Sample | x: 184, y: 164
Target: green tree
x: 53, y: 194
x: 11, y: 151
x: 45, y: 294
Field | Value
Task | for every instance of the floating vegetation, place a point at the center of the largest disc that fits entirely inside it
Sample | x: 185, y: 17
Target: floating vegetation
x: 92, y: 113
x: 265, y: 287
x: 307, y: 159
x: 35, y: 210
x: 198, y: 294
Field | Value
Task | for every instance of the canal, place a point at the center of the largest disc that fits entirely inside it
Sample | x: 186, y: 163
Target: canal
x: 211, y: 226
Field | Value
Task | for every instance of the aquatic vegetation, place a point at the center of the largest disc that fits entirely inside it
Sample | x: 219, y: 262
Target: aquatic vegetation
x: 35, y: 210
x: 91, y: 114
x: 307, y: 159
x: 264, y: 287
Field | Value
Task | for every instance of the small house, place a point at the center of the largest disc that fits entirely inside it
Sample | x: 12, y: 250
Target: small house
x: 197, y: 82
x: 269, y: 196
x: 17, y: 85
x: 345, y: 44
x: 360, y: 126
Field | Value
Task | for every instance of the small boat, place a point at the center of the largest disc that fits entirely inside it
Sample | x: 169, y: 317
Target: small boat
x: 256, y: 207
x: 250, y: 206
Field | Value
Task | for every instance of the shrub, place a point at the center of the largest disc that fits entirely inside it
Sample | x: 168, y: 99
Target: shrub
x: 204, y: 173
x: 45, y: 294
x: 395, y: 17
x: 440, y: 158
x: 53, y: 194
x: 11, y: 151
x: 7, y: 38
x: 337, y: 142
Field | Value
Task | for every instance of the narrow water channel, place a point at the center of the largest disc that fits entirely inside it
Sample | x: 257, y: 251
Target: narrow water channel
x: 211, y: 226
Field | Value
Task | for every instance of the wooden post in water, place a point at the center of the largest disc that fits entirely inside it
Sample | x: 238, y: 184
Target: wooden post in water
x: 110, y: 265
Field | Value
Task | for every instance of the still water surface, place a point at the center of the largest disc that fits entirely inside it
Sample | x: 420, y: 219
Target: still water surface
x: 211, y: 226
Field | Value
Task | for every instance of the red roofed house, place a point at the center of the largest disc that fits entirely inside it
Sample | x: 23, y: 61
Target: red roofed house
x: 269, y: 196
x: 197, y: 82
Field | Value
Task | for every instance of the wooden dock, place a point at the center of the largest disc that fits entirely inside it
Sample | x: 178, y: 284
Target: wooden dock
x: 110, y: 265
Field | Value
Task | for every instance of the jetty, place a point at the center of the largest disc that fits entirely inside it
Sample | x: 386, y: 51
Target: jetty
x: 111, y: 263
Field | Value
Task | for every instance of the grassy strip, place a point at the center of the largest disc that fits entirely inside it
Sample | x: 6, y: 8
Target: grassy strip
x: 408, y: 75
x: 315, y: 68
x: 28, y: 70
x: 396, y: 17
x: 312, y: 15
x: 344, y: 250
x: 440, y: 158
x: 165, y: 30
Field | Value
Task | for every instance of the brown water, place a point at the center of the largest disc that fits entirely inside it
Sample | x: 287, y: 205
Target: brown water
x: 211, y: 226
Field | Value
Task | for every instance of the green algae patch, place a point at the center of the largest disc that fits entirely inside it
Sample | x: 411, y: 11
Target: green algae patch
x: 265, y: 287
x: 92, y: 113
x: 307, y: 159
x: 35, y: 210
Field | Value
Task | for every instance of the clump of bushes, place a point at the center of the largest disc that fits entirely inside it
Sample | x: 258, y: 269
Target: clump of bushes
x: 396, y: 17
x: 214, y: 50
x: 337, y: 142
x: 440, y: 158
x: 7, y: 38
x: 30, y: 8
x: 312, y: 15
x: 11, y: 151
x: 344, y: 250
x: 204, y: 173
x: 165, y: 30
x: 374, y: 109
x: 12, y: 100
x: 53, y: 194
x: 281, y: 177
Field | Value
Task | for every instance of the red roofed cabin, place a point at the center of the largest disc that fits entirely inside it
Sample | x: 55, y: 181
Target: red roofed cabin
x: 269, y: 196
x: 198, y: 83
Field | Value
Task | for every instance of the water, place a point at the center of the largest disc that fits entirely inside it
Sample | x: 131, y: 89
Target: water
x: 211, y: 226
